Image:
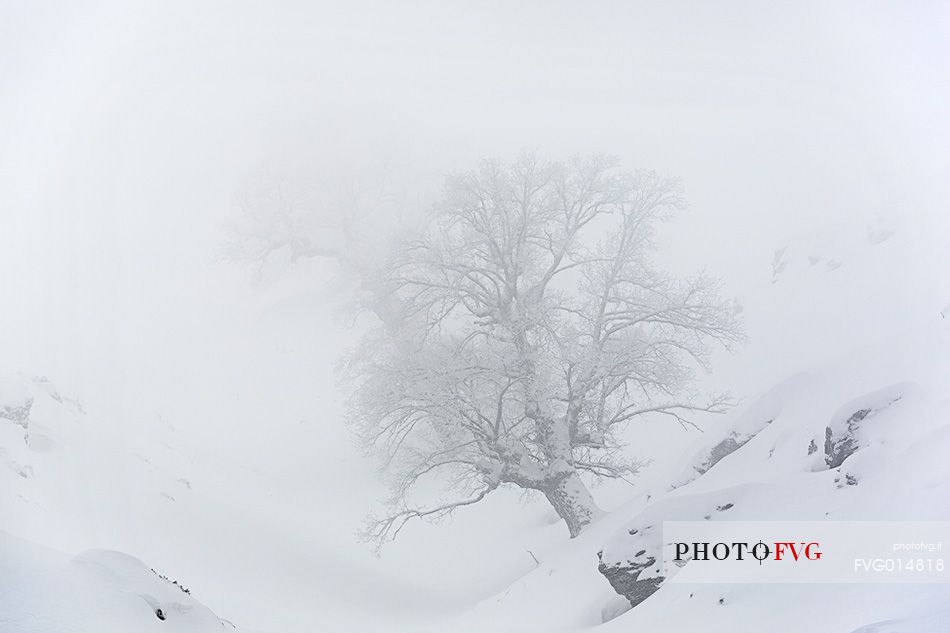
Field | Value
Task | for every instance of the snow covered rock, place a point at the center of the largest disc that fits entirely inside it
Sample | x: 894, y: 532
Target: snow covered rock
x: 631, y: 560
x: 38, y: 413
x: 826, y: 249
x: 844, y: 437
x: 724, y: 439
x: 625, y: 575
x: 16, y: 402
x: 44, y: 591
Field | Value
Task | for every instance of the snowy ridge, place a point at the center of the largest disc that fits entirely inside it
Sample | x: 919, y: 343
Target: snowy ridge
x: 42, y: 590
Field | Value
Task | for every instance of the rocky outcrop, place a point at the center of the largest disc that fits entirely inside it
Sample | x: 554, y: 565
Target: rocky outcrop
x: 840, y: 446
x: 843, y: 436
x: 625, y: 581
x: 733, y: 440
x: 632, y: 560
x: 726, y: 447
x: 624, y: 575
x: 16, y: 408
x: 728, y: 436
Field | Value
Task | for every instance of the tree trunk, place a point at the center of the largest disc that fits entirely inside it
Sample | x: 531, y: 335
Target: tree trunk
x: 573, y: 502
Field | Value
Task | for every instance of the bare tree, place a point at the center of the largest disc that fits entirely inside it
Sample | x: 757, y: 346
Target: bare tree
x: 521, y: 330
x: 332, y: 213
x: 274, y: 219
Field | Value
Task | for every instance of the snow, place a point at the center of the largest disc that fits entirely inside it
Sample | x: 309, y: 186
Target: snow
x: 208, y: 442
x: 901, y: 472
x: 247, y: 530
x: 249, y: 537
x: 43, y: 590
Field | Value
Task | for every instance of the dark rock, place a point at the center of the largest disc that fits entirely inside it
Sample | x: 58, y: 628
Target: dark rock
x: 625, y: 579
x: 727, y: 447
x: 632, y: 559
x: 840, y: 446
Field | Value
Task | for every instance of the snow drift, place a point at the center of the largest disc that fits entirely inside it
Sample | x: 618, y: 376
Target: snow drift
x: 42, y: 590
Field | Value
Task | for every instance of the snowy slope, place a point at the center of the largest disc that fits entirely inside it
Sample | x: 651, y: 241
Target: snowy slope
x: 856, y: 353
x: 249, y: 541
x: 61, y: 477
x: 42, y: 590
x: 897, y: 472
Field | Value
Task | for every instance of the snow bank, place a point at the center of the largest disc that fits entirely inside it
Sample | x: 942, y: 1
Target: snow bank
x: 43, y: 591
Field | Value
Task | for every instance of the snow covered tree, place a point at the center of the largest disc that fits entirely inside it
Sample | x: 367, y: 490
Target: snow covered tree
x: 332, y: 212
x: 276, y: 217
x: 521, y: 329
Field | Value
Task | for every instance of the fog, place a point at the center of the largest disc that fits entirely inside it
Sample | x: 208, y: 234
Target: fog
x: 129, y: 131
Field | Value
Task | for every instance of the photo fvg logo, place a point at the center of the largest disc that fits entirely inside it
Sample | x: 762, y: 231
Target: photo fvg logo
x: 824, y: 551
x: 741, y: 550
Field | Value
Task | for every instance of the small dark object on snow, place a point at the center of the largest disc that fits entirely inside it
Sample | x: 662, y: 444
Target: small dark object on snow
x: 160, y: 614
